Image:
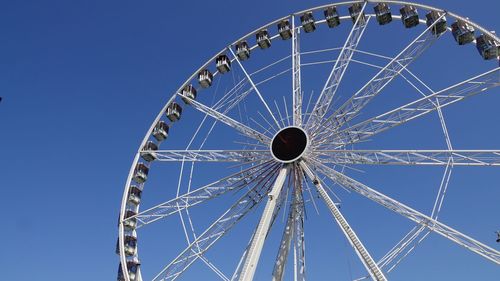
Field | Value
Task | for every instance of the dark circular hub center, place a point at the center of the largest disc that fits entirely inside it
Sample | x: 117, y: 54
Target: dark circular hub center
x: 289, y: 144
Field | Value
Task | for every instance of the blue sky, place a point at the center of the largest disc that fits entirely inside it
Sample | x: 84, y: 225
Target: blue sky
x: 82, y: 81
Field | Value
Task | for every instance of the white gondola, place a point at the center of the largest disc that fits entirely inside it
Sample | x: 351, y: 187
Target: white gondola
x: 354, y: 11
x: 487, y: 47
x: 130, y: 245
x: 130, y: 224
x: 440, y: 26
x: 141, y: 173
x: 242, y: 50
x: 132, y: 269
x: 307, y: 21
x: 188, y: 93
x: 174, y: 112
x: 160, y: 131
x: 284, y: 30
x: 263, y: 39
x: 331, y: 16
x: 462, y: 32
x: 383, y: 13
x: 205, y: 78
x: 134, y: 195
x: 409, y: 16
x: 223, y: 64
x: 148, y: 151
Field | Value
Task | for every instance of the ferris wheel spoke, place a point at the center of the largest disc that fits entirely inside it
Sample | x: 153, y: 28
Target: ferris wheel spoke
x: 397, y: 207
x: 217, y: 230
x: 281, y: 258
x: 455, y: 93
x: 374, y: 86
x: 411, y: 157
x: 296, y: 75
x: 370, y: 265
x: 243, y: 156
x: 254, y: 86
x: 299, y: 243
x: 245, y: 130
x: 325, y: 98
x: 217, y: 188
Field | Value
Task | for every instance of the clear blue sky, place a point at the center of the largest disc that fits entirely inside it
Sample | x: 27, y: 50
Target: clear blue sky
x: 82, y: 81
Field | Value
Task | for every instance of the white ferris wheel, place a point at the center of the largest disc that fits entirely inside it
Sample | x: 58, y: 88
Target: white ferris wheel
x: 286, y: 117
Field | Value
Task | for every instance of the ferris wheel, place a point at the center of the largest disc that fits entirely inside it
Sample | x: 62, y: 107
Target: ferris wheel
x: 283, y: 120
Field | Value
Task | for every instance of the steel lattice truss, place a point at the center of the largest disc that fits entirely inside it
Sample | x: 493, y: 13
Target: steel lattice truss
x: 288, y: 153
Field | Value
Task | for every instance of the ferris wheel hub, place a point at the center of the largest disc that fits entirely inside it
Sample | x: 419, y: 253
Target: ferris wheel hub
x: 289, y: 144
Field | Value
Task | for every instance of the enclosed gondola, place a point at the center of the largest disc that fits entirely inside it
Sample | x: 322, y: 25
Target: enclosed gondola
x: 409, y: 16
x: 132, y: 269
x: 205, y: 78
x: 242, y: 50
x: 148, y: 151
x: 487, y: 47
x: 223, y: 64
x: 188, y: 93
x: 331, y: 16
x: 174, y: 112
x: 284, y: 29
x: 354, y: 11
x: 134, y: 195
x: 160, y: 131
x: 141, y: 173
x: 263, y: 39
x: 462, y: 32
x: 383, y: 13
x: 307, y: 21
x: 439, y: 21
x: 130, y: 222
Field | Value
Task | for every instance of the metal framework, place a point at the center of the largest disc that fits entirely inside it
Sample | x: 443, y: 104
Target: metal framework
x: 274, y: 165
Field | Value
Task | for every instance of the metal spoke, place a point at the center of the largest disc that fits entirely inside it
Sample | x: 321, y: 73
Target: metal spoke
x: 296, y: 76
x: 411, y: 157
x: 262, y: 229
x: 299, y: 246
x: 364, y: 256
x: 373, y: 87
x: 325, y: 98
x: 235, y: 181
x: 245, y: 130
x: 472, y: 86
x: 254, y: 87
x: 433, y: 225
x: 217, y: 230
x: 210, y: 155
x: 281, y: 259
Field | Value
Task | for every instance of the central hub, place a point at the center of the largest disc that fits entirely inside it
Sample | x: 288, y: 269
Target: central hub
x: 289, y: 144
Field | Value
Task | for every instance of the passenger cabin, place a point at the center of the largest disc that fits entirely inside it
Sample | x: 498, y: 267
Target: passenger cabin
x: 440, y: 22
x: 148, y: 152
x: 132, y: 269
x: 409, y: 16
x: 130, y: 224
x: 141, y: 172
x: 383, y: 13
x: 487, y: 47
x: 284, y: 30
x: 307, y: 20
x: 331, y: 16
x: 160, y: 131
x: 205, y: 78
x: 462, y: 32
x: 263, y: 39
x: 130, y: 245
x: 134, y: 195
x: 223, y: 64
x: 354, y: 11
x: 188, y: 93
x: 242, y: 50
x: 174, y: 112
